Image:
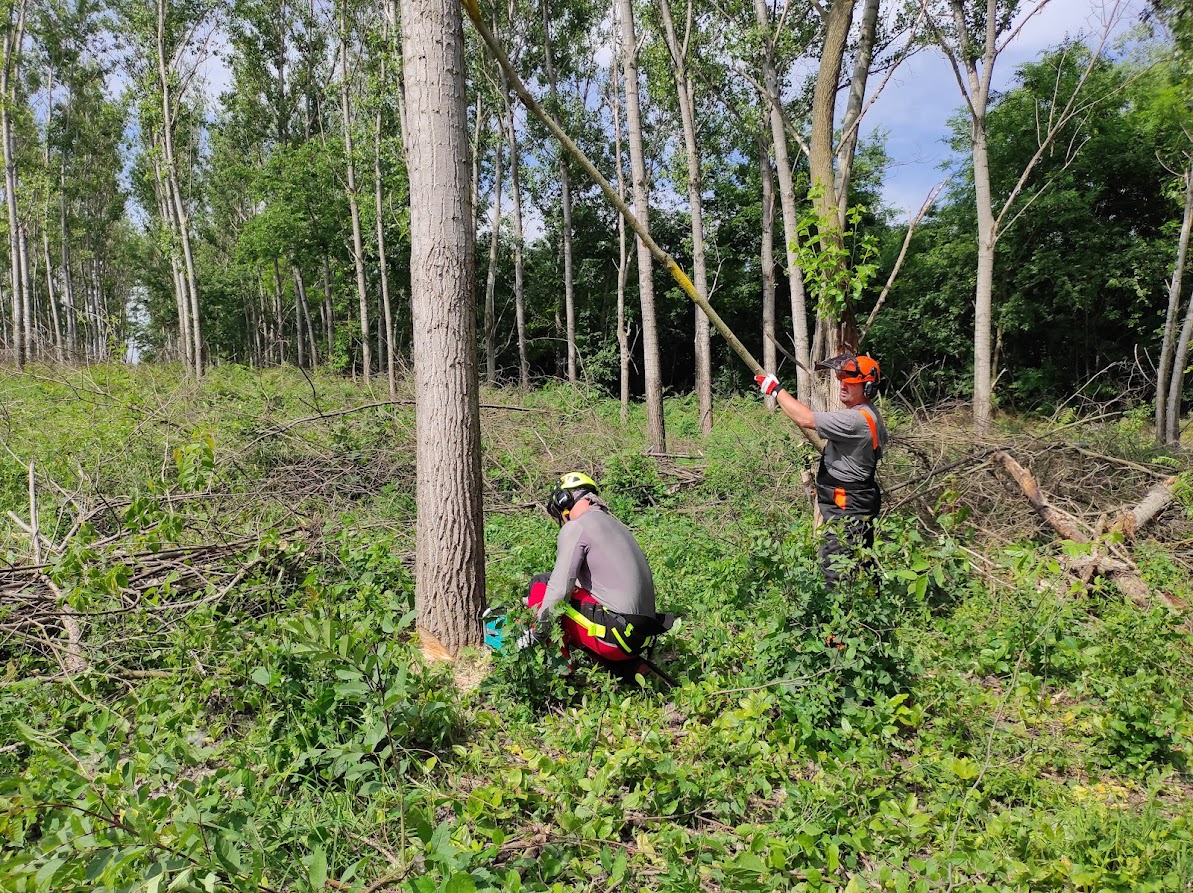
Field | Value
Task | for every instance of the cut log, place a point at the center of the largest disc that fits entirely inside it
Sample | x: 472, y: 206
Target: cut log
x: 1120, y: 571
x: 1060, y: 521
x: 1155, y: 501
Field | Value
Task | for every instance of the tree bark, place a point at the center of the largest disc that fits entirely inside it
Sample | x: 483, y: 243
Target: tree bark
x: 847, y: 148
x: 490, y: 332
x: 767, y: 262
x: 174, y: 192
x: 13, y: 39
x: 450, y: 556
x: 799, y: 311
x: 685, y: 90
x: 382, y: 260
x: 358, y: 248
x: 650, y: 337
x: 1175, y: 287
x: 565, y: 206
x: 623, y: 260
x: 516, y: 195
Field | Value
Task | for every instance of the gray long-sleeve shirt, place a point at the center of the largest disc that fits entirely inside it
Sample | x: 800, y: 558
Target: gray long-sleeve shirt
x: 598, y: 553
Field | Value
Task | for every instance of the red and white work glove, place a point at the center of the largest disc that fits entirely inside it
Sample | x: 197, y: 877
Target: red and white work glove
x: 768, y: 384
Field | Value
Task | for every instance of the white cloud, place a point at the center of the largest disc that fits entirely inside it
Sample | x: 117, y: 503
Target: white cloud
x: 914, y: 108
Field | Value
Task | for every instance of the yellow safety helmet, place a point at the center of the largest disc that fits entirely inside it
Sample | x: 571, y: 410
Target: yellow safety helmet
x: 572, y: 487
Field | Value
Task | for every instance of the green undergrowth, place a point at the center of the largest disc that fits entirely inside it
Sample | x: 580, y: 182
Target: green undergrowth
x: 932, y: 728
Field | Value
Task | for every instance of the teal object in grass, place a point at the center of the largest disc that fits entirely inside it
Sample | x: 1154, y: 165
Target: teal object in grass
x: 494, y: 619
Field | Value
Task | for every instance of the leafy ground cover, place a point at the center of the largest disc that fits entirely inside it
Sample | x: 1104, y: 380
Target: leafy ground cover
x: 246, y: 708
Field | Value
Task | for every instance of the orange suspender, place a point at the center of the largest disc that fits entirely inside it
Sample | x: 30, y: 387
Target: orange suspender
x: 873, y: 427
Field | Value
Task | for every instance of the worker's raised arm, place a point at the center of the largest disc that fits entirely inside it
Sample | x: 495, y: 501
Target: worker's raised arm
x: 792, y: 408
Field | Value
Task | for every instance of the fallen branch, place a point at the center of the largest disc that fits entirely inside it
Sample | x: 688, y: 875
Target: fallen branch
x: 1121, y: 571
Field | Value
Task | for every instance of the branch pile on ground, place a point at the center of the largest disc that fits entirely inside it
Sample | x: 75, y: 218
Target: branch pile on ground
x: 1079, y: 481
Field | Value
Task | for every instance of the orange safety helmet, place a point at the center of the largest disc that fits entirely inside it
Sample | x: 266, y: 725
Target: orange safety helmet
x: 852, y: 369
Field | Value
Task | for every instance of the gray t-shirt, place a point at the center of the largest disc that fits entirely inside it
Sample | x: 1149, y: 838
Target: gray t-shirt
x: 849, y: 454
x: 598, y: 553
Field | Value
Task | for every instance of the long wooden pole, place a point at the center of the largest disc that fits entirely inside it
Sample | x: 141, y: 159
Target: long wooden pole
x: 677, y: 273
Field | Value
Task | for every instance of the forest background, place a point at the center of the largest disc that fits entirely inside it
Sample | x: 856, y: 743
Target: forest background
x: 213, y: 561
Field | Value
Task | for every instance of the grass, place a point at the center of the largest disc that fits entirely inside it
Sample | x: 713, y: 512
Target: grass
x: 260, y: 720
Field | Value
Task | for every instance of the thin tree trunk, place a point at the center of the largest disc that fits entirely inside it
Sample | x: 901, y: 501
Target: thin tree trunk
x: 68, y: 291
x: 279, y: 311
x: 1174, y: 303
x: 174, y: 191
x: 51, y: 298
x: 847, y: 148
x: 308, y: 328
x: 329, y: 320
x: 767, y: 262
x: 623, y: 261
x: 491, y: 273
x: 516, y: 194
x: 799, y: 312
x: 299, y: 334
x: 1176, y: 382
x: 449, y: 551
x: 650, y: 337
x: 13, y: 39
x: 983, y: 372
x: 685, y: 90
x: 382, y: 261
x: 379, y: 203
x: 565, y: 204
x: 358, y: 249
x: 32, y: 346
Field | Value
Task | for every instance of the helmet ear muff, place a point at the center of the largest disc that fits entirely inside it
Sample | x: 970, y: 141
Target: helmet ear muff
x: 870, y: 389
x: 559, y: 503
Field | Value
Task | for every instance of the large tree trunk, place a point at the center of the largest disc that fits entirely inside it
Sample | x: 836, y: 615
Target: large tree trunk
x: 650, y: 336
x: 767, y: 262
x: 450, y: 553
x: 685, y: 90
x: 516, y: 194
x: 799, y: 312
x: 836, y: 329
x: 565, y: 205
x: 1165, y: 370
x: 490, y: 321
x: 358, y: 248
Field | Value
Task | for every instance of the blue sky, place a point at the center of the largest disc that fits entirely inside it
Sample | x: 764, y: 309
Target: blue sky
x: 918, y: 101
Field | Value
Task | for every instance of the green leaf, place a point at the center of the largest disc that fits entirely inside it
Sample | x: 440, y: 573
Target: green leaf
x: 260, y: 675
x: 461, y: 882
x: 619, y: 867
x: 46, y: 872
x: 317, y: 870
x: 227, y: 854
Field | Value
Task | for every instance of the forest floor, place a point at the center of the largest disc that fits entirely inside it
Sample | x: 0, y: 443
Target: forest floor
x: 209, y: 678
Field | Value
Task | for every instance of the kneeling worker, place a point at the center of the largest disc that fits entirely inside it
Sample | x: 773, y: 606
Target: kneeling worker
x: 847, y: 492
x: 601, y: 577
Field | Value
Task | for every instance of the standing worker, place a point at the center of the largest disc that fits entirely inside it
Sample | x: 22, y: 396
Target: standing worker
x: 847, y: 492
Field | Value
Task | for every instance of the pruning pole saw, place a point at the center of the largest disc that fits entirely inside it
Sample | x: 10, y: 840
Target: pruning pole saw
x: 577, y: 154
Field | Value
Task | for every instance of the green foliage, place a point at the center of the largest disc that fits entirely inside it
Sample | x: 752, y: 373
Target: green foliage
x: 923, y: 726
x: 837, y: 264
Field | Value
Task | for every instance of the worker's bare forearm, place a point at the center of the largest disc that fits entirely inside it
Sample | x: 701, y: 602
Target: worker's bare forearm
x: 796, y: 411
